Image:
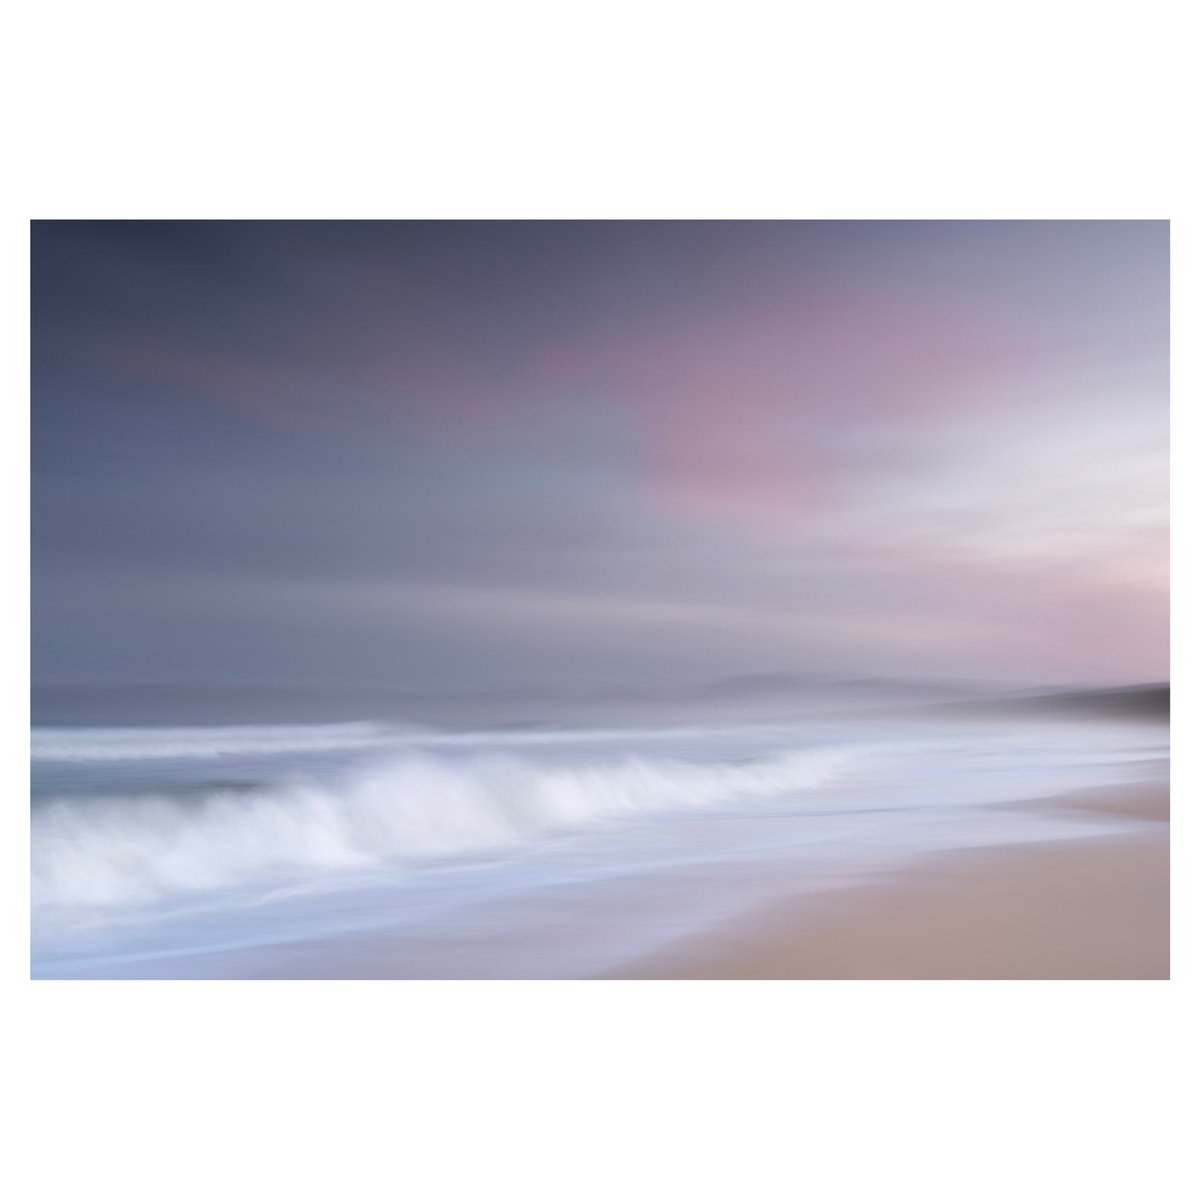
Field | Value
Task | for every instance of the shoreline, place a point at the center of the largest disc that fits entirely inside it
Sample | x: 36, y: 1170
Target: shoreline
x: 1093, y: 906
x: 1096, y: 907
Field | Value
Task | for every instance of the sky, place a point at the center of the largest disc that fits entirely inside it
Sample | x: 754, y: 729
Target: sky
x: 449, y: 455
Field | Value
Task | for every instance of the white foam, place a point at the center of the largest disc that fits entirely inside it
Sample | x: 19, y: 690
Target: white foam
x: 142, y: 744
x: 103, y: 851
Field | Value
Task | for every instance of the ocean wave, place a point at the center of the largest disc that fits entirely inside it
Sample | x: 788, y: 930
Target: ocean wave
x: 145, y: 744
x: 129, y: 849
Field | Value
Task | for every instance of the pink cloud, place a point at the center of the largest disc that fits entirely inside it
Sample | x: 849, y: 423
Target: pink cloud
x: 751, y: 413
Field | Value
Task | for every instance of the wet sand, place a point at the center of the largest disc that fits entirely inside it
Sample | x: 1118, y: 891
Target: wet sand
x: 1096, y: 908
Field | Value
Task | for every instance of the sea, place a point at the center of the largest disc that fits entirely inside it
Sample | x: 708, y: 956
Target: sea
x: 383, y: 849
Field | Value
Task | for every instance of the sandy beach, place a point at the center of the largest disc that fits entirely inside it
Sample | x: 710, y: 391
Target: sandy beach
x: 1096, y: 908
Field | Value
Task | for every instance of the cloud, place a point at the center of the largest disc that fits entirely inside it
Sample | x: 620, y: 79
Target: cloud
x: 924, y: 450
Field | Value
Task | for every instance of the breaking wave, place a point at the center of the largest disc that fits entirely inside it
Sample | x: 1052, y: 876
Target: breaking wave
x: 128, y: 849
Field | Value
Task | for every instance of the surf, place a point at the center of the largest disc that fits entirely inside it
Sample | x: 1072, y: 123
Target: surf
x: 111, y: 850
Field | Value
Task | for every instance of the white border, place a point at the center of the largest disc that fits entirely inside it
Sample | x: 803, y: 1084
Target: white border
x: 553, y: 111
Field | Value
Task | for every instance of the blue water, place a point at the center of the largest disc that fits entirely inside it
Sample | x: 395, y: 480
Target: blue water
x: 371, y: 848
